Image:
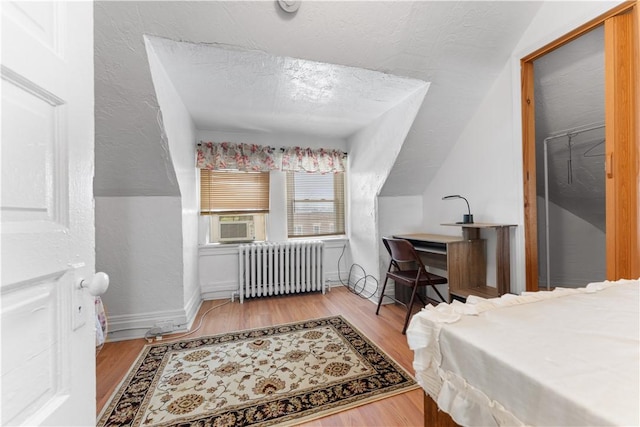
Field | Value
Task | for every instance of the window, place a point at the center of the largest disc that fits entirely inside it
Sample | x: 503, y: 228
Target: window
x: 315, y: 204
x: 237, y: 203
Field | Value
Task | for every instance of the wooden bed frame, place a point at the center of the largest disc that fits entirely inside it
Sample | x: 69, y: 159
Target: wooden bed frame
x: 434, y: 417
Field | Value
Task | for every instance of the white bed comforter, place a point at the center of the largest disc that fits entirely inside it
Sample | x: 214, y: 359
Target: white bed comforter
x: 570, y: 357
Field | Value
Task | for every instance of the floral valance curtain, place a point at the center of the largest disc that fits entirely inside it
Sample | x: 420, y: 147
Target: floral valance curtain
x: 252, y: 157
x: 241, y: 157
x: 320, y: 160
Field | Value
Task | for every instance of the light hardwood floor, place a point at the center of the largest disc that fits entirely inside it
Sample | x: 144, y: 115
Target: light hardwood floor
x: 406, y: 409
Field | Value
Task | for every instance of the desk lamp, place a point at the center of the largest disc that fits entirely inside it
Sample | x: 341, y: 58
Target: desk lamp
x: 466, y: 219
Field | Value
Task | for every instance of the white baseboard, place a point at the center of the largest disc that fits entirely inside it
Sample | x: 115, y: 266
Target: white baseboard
x: 192, y: 307
x: 221, y: 290
x: 132, y: 326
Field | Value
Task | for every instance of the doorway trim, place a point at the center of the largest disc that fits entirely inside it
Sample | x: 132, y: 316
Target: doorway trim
x: 622, y: 101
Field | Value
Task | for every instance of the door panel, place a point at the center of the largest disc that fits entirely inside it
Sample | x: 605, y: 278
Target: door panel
x: 36, y: 116
x: 621, y: 39
x: 36, y: 361
x: 48, y: 335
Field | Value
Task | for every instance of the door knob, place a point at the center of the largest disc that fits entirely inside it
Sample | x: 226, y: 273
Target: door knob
x: 98, y: 284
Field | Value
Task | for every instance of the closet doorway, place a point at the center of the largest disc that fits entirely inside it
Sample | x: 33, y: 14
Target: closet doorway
x: 621, y: 152
x: 570, y: 167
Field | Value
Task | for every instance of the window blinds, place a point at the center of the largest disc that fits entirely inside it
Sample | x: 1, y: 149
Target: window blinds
x: 315, y: 204
x: 233, y: 192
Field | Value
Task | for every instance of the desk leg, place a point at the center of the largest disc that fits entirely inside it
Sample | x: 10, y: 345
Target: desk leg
x: 470, y: 233
x: 503, y: 265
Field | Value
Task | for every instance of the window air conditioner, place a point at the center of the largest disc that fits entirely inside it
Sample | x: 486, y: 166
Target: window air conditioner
x: 240, y: 229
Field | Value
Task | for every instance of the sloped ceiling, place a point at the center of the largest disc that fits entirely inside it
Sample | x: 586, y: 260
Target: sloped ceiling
x: 457, y: 46
x: 569, y: 94
x: 234, y: 90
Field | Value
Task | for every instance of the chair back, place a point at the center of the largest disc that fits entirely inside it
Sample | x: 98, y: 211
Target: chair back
x: 401, y: 251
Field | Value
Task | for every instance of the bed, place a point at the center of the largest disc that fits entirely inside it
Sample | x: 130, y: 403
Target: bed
x: 568, y: 357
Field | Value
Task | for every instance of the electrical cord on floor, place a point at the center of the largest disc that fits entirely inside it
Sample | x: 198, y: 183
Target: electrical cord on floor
x: 150, y: 338
x: 339, y: 258
x: 353, y: 288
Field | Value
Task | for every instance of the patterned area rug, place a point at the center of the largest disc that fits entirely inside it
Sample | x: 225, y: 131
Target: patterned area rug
x: 282, y: 375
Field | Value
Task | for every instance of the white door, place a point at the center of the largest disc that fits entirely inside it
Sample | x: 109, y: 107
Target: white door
x: 48, y: 328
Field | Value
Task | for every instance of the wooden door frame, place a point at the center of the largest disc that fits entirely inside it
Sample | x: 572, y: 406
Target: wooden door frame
x: 622, y: 120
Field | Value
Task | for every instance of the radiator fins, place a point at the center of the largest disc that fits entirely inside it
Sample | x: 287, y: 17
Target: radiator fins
x: 267, y: 269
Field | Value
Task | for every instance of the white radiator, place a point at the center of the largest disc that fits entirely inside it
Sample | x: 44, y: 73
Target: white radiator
x: 281, y: 268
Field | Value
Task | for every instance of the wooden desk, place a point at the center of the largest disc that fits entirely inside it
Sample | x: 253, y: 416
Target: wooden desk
x: 503, y: 256
x: 464, y: 259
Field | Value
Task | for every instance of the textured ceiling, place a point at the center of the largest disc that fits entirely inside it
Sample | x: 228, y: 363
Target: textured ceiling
x: 459, y: 47
x: 569, y: 94
x: 240, y: 90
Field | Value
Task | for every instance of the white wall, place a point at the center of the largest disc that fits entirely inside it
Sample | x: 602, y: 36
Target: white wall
x: 140, y: 246
x: 480, y: 167
x: 577, y: 252
x: 486, y: 163
x: 372, y: 152
x: 397, y: 215
x: 180, y: 134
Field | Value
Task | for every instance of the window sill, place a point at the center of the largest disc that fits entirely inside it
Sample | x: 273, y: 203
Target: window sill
x: 323, y: 238
x: 221, y: 248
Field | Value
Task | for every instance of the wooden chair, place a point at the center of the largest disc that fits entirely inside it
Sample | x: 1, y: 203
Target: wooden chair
x: 403, y: 253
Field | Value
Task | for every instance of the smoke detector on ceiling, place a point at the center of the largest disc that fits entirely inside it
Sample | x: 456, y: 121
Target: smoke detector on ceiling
x: 289, y: 6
